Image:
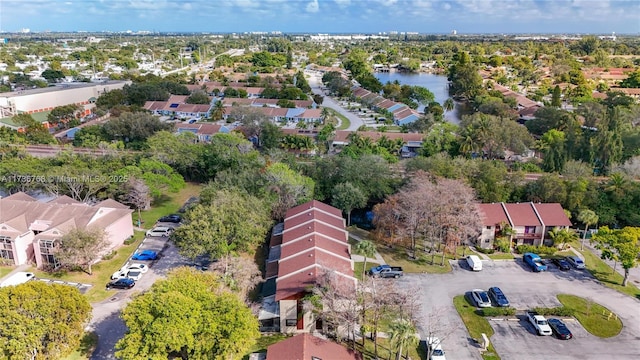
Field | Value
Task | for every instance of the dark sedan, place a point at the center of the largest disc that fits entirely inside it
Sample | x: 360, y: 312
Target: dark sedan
x: 498, y: 297
x: 562, y: 264
x: 560, y: 330
x: 124, y: 283
x: 173, y: 218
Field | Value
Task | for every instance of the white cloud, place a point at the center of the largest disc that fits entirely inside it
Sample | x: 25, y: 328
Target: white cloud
x: 313, y: 6
x: 446, y: 6
x: 343, y: 3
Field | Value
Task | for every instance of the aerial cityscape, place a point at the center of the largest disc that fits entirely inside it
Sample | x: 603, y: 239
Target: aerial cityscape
x: 319, y: 179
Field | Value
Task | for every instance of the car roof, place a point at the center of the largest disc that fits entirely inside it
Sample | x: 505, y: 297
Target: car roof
x: 147, y: 252
x: 496, y: 290
x: 160, y: 228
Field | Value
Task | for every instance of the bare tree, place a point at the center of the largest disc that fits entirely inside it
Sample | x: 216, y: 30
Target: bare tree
x: 436, y: 325
x: 138, y: 195
x: 241, y: 275
x: 81, y: 247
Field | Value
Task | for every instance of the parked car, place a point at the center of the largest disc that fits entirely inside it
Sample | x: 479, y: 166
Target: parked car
x: 435, y: 348
x: 157, y: 231
x: 126, y: 270
x: 134, y: 274
x: 498, y: 296
x: 576, y: 262
x: 481, y: 298
x: 560, y: 330
x: 539, y: 323
x: 145, y: 255
x: 18, y: 278
x: 173, y: 218
x: 386, y: 271
x: 534, y: 261
x: 562, y: 264
x: 124, y: 283
x: 474, y: 262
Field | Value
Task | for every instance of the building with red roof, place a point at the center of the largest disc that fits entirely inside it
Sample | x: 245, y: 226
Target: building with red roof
x: 309, y: 347
x: 530, y: 222
x: 311, y: 242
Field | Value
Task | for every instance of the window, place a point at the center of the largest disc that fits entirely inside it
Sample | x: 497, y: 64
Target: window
x: 291, y: 322
x: 6, y: 248
x: 46, y: 252
x: 488, y: 227
x: 529, y: 229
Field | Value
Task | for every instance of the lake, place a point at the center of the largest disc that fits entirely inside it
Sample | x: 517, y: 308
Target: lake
x: 437, y: 84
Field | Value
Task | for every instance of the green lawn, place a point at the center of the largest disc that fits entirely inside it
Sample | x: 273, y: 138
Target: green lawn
x: 384, y: 352
x: 101, y: 272
x: 169, y: 204
x: 501, y: 256
x: 423, y: 263
x: 604, y: 273
x: 344, y: 122
x: 4, y: 270
x: 594, y: 317
x: 476, y: 325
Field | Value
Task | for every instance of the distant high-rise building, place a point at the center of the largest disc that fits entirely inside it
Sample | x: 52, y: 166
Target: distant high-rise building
x: 454, y: 32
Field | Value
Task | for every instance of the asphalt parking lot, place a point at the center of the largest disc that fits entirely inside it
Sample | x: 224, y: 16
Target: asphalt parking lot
x: 525, y: 289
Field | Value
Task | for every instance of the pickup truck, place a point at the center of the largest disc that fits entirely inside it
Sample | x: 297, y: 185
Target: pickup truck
x: 535, y: 262
x: 539, y: 323
x: 386, y: 271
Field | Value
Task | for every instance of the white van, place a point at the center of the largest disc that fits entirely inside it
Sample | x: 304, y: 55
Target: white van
x: 474, y: 262
x: 18, y: 278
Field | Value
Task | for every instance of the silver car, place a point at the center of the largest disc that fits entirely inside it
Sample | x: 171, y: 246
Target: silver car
x: 576, y: 262
x: 481, y: 298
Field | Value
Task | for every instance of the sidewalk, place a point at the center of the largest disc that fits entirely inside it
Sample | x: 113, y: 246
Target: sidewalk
x: 377, y: 259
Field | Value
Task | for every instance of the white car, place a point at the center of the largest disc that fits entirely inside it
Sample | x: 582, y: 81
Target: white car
x: 435, y: 348
x: 163, y: 231
x: 481, y: 298
x: 126, y: 270
x: 134, y: 274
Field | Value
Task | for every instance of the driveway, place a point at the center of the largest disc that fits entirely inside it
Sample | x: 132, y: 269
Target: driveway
x: 106, y: 321
x: 315, y: 81
x: 525, y: 289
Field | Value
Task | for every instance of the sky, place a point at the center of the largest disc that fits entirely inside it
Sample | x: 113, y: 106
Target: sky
x: 325, y: 16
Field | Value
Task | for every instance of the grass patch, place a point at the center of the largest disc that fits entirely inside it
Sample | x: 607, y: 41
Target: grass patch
x: 605, y: 274
x: 400, y: 256
x: 475, y: 324
x: 87, y: 346
x: 500, y: 256
x: 263, y: 342
x: 4, y: 270
x: 344, y: 122
x: 101, y: 271
x: 168, y: 204
x: 595, y: 318
x: 385, y: 351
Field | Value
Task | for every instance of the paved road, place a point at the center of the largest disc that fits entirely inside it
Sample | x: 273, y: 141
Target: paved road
x: 525, y: 290
x: 315, y: 82
x: 106, y: 321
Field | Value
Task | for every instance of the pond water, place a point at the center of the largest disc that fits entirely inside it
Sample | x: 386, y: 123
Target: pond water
x: 437, y: 84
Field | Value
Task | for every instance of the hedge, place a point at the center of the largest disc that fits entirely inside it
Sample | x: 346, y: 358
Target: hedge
x: 496, y: 311
x: 540, y: 250
x: 556, y: 311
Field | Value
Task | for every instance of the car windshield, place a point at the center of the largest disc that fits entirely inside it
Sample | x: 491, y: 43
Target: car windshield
x: 484, y: 296
x: 438, y: 352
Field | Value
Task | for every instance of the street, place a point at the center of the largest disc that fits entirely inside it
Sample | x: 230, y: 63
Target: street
x: 315, y: 82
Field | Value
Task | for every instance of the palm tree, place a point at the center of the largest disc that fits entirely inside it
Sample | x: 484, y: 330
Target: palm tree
x: 587, y: 217
x: 448, y: 104
x: 467, y: 145
x: 368, y: 249
x: 562, y: 236
x: 217, y: 112
x: 402, y: 336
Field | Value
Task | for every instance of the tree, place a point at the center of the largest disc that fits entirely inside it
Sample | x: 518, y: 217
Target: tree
x: 562, y: 236
x: 223, y: 223
x: 465, y: 81
x: 288, y: 188
x: 587, y: 217
x: 81, y: 247
x: 36, y: 132
x: 217, y: 111
x: 137, y: 194
x: 39, y: 320
x: 619, y: 245
x: 240, y: 276
x: 52, y: 76
x: 368, y: 249
x: 448, y: 104
x: 556, y: 100
x: 402, y: 336
x: 348, y: 197
x: 198, y: 97
x: 187, y: 316
x: 553, y: 145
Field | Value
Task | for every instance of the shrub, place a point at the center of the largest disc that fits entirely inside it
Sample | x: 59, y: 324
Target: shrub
x: 556, y: 311
x: 503, y: 244
x: 485, y: 251
x: 109, y: 255
x: 540, y: 250
x: 497, y: 311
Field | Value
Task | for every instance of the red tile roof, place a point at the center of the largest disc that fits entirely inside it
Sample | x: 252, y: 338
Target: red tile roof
x: 314, y: 214
x: 310, y: 205
x: 315, y: 241
x: 492, y: 214
x: 313, y: 227
x: 522, y: 214
x: 307, y: 347
x: 552, y: 214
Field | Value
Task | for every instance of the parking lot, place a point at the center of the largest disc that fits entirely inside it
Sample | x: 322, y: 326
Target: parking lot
x: 515, y: 339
